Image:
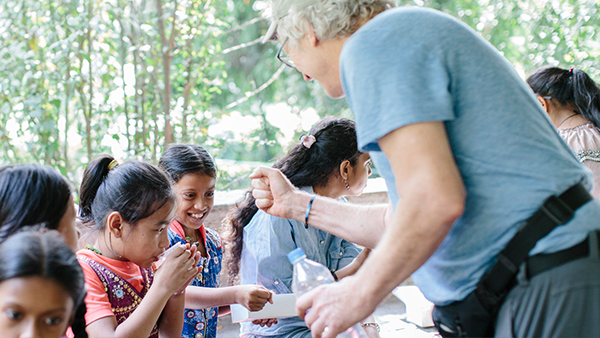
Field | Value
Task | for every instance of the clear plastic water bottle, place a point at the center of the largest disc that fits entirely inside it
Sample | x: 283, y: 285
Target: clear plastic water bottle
x: 310, y: 274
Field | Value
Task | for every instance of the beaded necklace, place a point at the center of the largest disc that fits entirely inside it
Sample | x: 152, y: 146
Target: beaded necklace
x: 91, y: 248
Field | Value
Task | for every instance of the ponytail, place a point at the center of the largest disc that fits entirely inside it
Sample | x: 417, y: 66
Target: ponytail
x: 571, y: 86
x: 93, y: 176
x: 586, y: 96
x: 134, y: 189
x: 309, y: 163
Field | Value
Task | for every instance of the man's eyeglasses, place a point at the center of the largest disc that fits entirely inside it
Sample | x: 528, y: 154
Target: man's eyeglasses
x: 284, y: 58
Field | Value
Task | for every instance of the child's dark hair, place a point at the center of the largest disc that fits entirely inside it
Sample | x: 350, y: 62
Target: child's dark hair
x: 44, y: 254
x: 335, y: 143
x: 569, y: 86
x: 181, y: 159
x: 134, y: 189
x: 31, y: 194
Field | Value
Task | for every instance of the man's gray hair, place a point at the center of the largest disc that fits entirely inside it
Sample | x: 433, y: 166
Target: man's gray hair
x: 330, y: 19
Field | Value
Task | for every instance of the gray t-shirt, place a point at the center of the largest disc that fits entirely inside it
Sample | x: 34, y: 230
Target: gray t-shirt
x: 410, y: 65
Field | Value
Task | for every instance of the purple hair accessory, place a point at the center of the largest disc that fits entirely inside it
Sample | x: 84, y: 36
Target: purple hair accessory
x: 308, y: 140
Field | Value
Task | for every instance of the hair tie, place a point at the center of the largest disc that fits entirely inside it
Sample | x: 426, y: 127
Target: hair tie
x: 113, y: 164
x: 307, y: 140
x: 571, y: 70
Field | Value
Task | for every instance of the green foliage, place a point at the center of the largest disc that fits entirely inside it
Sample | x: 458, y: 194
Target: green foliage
x: 83, y: 77
x: 532, y: 34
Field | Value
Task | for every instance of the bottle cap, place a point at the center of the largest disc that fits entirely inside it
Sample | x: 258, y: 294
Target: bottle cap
x: 296, y: 255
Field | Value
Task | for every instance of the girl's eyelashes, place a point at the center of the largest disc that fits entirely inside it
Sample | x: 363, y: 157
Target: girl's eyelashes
x: 189, y: 195
x: 161, y: 227
x: 53, y: 321
x: 13, y: 314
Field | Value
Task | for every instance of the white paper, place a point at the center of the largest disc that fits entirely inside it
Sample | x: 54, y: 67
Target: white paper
x: 284, y: 305
x: 418, y: 308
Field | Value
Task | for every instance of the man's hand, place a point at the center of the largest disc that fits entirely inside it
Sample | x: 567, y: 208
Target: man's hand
x: 329, y: 304
x: 273, y: 192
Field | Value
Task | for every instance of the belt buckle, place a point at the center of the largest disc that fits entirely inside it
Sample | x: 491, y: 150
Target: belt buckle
x: 557, y: 210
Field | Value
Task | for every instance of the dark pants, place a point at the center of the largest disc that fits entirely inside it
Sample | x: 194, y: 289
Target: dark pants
x: 561, y: 302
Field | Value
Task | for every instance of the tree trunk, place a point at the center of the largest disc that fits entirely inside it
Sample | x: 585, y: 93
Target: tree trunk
x: 190, y: 80
x: 125, y: 106
x: 166, y: 47
x: 88, y: 117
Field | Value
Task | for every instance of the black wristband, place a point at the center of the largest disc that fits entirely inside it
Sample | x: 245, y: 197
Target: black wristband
x: 335, y: 277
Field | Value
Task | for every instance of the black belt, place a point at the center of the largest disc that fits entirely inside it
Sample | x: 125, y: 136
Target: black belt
x: 556, y: 210
x: 474, y: 316
x: 542, y: 262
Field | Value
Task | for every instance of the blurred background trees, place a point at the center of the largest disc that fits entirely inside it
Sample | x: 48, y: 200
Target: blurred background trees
x: 79, y: 78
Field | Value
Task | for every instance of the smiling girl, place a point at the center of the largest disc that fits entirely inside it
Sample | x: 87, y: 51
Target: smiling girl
x: 193, y: 176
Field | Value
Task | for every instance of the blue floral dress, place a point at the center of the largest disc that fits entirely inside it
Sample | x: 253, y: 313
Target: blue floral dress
x: 202, y: 323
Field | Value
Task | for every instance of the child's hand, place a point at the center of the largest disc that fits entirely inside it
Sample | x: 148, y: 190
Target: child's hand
x: 360, y: 259
x: 196, y: 255
x: 353, y: 267
x: 265, y: 322
x: 253, y: 297
x: 178, y: 268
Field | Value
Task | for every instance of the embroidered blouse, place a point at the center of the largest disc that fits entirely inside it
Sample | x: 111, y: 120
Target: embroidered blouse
x: 585, y: 142
x: 115, y: 288
x: 202, y: 323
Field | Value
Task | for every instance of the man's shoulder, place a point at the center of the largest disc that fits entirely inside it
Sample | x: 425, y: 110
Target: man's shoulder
x: 406, y: 17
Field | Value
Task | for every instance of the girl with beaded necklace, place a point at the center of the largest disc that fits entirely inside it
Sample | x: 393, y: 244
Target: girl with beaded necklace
x: 129, y: 208
x: 193, y: 176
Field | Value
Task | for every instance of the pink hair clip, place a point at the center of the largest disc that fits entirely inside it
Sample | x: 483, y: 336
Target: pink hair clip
x: 308, y: 140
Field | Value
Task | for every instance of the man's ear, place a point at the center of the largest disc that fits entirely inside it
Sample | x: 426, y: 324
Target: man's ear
x: 312, y: 37
x: 114, y: 224
x: 345, y: 168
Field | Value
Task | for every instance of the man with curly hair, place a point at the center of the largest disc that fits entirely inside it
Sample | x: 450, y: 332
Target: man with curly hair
x: 468, y: 157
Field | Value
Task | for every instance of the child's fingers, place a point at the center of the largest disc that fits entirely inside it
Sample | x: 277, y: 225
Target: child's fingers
x: 190, y: 274
x: 258, y: 322
x: 190, y: 264
x: 193, y: 250
x: 197, y: 258
x: 175, y: 251
x: 263, y: 295
x: 271, y: 296
x: 260, y: 294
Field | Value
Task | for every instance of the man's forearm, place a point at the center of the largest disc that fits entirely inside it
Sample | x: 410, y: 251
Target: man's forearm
x: 360, y: 224
x: 412, y: 237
